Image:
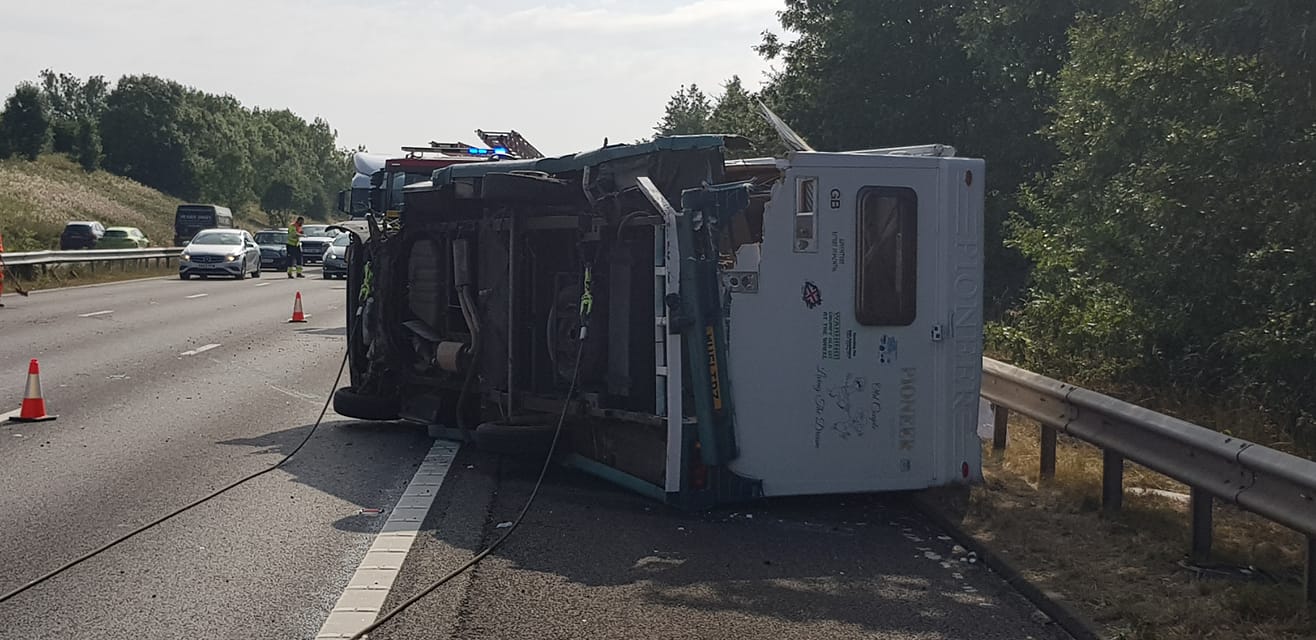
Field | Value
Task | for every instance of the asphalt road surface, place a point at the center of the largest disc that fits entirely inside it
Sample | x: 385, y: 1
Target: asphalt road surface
x: 167, y: 390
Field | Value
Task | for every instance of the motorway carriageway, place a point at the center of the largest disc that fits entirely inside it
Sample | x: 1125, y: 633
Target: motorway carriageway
x: 167, y: 390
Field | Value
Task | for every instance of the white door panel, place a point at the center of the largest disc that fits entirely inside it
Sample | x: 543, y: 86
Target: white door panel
x: 835, y: 390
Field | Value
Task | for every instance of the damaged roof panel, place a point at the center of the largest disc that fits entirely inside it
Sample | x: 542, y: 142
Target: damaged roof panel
x: 578, y: 161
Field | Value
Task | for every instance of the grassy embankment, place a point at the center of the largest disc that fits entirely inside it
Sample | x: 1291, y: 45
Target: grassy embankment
x: 38, y: 198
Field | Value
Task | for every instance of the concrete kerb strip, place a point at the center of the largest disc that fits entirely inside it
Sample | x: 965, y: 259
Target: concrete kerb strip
x: 363, y: 599
x: 1049, y: 603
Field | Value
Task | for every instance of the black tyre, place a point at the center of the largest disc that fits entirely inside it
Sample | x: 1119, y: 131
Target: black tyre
x: 347, y: 402
x: 517, y: 437
x: 184, y: 276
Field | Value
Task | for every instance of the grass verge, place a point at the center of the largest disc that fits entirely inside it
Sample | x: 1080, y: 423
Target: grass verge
x: 81, y: 274
x: 1124, y: 573
x: 37, y: 198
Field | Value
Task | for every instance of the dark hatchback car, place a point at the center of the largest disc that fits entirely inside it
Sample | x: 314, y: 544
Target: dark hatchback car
x: 273, y: 248
x: 80, y: 235
x: 315, y: 241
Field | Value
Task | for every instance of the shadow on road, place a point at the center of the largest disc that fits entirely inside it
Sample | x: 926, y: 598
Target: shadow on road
x: 327, y: 331
x: 344, y: 459
x: 836, y: 566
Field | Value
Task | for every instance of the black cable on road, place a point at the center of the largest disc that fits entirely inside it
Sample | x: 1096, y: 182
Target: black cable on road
x: 138, y: 530
x: 548, y: 459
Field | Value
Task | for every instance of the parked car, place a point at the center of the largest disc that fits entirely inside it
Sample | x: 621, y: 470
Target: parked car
x: 273, y: 248
x: 123, y: 238
x: 220, y: 252
x: 335, y: 257
x: 81, y: 235
x: 315, y: 239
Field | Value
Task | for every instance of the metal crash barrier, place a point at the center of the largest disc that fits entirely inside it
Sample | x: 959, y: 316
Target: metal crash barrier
x: 1270, y: 483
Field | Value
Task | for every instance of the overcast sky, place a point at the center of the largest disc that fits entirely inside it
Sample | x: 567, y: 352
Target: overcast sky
x: 385, y: 73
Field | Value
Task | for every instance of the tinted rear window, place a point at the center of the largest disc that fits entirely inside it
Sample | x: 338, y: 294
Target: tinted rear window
x: 886, y: 280
x: 114, y: 233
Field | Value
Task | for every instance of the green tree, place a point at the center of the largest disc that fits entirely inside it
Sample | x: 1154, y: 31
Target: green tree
x: 71, y: 102
x: 142, y: 136
x: 737, y: 112
x: 89, y: 146
x: 687, y: 112
x: 1170, y: 241
x: 279, y: 201
x: 25, y: 122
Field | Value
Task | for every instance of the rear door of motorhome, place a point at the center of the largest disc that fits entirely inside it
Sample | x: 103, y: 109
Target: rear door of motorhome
x: 840, y: 359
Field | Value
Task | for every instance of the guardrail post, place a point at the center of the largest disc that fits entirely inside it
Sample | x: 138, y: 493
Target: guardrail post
x: 1309, y: 574
x: 1048, y: 470
x: 1112, y: 482
x: 1000, y: 427
x: 1201, y: 507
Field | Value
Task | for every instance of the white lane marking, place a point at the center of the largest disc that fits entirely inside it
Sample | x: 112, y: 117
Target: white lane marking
x: 197, y: 295
x: 95, y: 313
x: 4, y: 417
x: 265, y: 284
x: 364, y: 596
x: 201, y: 349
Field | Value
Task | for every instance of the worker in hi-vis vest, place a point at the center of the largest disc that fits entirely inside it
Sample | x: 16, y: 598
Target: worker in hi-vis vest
x: 295, y: 247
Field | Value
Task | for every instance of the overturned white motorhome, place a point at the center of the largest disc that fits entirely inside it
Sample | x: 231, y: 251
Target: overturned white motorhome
x: 803, y: 325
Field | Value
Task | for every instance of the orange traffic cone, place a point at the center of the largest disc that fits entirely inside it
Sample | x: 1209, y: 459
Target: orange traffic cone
x: 297, y: 315
x: 34, y: 406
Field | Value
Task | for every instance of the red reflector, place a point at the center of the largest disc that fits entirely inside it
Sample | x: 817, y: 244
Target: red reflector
x: 964, y: 469
x: 700, y: 479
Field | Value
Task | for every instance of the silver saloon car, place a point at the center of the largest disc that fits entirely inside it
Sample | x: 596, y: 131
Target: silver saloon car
x: 220, y: 252
x: 335, y: 257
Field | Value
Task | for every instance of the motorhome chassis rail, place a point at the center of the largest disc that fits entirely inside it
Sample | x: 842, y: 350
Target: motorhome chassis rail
x: 1270, y: 483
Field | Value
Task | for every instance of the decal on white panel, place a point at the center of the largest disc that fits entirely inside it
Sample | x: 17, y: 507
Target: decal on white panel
x: 811, y: 295
x: 838, y: 251
x: 848, y: 407
x: 831, y: 335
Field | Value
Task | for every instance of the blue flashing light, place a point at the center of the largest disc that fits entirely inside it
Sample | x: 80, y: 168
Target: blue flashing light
x: 478, y: 151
